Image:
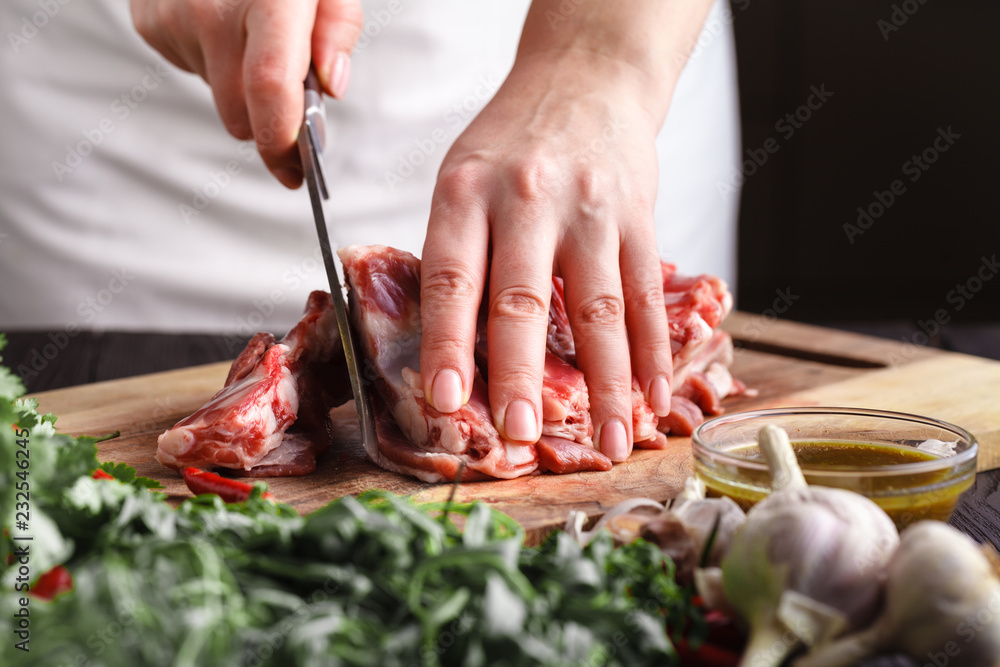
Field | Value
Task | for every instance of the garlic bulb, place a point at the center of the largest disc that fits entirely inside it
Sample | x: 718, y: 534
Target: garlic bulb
x: 701, y: 515
x: 942, y: 605
x: 808, y: 564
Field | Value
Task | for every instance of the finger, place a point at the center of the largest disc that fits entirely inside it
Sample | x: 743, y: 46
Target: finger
x: 595, y: 303
x: 519, y: 292
x: 274, y: 67
x: 224, y: 47
x: 159, y: 24
x: 453, y: 276
x: 338, y: 25
x: 646, y: 317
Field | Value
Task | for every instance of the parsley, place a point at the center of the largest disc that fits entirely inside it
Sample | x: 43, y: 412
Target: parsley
x: 373, y: 580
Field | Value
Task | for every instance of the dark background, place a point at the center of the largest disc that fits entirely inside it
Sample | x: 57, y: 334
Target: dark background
x: 892, y: 90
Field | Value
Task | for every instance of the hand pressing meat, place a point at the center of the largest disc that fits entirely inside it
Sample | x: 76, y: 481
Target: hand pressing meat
x: 384, y: 291
x: 272, y: 417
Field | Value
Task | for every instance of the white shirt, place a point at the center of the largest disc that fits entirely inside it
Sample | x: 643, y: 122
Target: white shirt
x: 124, y: 203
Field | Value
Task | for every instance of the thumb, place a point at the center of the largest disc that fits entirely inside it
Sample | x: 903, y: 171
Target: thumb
x: 337, y: 28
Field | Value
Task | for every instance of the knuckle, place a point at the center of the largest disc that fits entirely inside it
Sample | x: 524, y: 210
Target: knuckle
x: 593, y: 189
x: 532, y: 177
x: 519, y: 303
x: 511, y: 378
x: 645, y: 298
x: 443, y: 350
x: 268, y: 74
x: 600, y: 310
x: 610, y: 395
x: 449, y: 283
x: 456, y: 182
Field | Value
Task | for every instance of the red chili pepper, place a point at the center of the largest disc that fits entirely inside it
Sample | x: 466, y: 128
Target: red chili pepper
x: 100, y: 474
x: 229, y: 490
x: 53, y: 583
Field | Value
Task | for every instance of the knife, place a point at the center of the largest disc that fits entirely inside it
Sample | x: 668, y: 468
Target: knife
x: 312, y: 139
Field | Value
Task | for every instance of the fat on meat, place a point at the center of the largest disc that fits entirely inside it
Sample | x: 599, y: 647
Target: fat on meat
x: 272, y: 416
x: 384, y: 292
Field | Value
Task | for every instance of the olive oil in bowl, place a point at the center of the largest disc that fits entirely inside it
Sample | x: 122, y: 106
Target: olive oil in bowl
x: 913, y: 467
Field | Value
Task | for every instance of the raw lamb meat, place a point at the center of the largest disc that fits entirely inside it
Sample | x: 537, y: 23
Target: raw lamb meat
x: 272, y: 416
x: 384, y: 290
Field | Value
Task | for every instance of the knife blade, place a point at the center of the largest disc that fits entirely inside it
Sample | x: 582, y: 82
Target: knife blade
x: 311, y: 141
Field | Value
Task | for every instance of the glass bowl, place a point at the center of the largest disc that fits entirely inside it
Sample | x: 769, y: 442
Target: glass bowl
x: 913, y: 467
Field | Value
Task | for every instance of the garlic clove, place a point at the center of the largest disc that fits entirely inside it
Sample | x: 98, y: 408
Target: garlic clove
x: 704, y: 515
x: 813, y: 622
x: 777, y: 450
x: 576, y: 519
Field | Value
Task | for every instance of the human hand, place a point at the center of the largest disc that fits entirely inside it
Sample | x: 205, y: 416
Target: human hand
x: 557, y: 175
x: 255, y: 55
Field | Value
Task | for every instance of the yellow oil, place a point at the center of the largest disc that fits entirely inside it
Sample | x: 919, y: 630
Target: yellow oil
x: 906, y: 498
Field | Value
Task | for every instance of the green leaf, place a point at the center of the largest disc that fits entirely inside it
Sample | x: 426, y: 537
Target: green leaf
x: 127, y: 474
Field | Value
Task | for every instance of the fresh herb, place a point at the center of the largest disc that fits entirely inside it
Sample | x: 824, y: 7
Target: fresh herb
x: 373, y: 580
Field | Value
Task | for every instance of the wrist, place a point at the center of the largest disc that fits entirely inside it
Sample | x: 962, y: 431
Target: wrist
x: 595, y: 75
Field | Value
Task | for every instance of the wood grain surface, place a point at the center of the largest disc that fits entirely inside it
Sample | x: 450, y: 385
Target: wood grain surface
x: 787, y: 363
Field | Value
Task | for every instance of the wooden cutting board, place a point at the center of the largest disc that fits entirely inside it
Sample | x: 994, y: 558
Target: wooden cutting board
x: 788, y: 363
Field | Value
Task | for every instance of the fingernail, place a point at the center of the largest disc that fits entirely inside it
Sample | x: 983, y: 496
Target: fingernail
x: 340, y: 75
x: 289, y: 176
x: 446, y: 391
x: 614, y: 440
x: 659, y: 396
x: 519, y: 422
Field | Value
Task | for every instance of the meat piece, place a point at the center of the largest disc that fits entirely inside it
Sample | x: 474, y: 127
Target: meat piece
x: 695, y: 307
x: 385, y: 311
x: 706, y: 296
x: 684, y: 417
x: 565, y: 403
x: 560, y: 456
x: 560, y: 338
x: 398, y: 454
x: 644, y: 422
x: 248, y: 424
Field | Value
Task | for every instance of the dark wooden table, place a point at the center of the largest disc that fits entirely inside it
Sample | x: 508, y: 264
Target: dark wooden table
x: 46, y: 360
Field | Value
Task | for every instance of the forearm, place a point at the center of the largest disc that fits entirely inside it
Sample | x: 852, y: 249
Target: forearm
x: 642, y: 44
